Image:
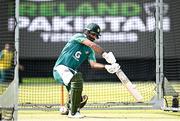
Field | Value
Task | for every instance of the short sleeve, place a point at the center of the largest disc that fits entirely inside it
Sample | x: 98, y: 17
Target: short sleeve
x: 91, y: 56
x: 80, y: 39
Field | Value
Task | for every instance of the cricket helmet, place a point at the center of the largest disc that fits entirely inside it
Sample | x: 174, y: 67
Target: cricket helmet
x: 93, y: 28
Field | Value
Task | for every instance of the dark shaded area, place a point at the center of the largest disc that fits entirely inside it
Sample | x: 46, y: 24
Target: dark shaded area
x: 136, y: 69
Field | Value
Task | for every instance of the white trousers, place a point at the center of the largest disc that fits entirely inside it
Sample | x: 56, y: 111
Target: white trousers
x: 65, y: 73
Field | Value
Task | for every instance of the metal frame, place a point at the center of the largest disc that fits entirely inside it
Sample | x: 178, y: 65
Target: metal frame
x: 162, y: 78
x: 158, y: 100
x: 16, y: 75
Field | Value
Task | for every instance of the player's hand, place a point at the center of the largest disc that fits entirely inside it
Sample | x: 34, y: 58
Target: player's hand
x: 109, y: 57
x: 112, y: 68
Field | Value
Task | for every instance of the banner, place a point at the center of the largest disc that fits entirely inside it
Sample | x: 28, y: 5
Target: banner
x: 128, y: 26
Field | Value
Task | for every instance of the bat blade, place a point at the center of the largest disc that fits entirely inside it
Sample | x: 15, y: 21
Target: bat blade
x: 130, y: 87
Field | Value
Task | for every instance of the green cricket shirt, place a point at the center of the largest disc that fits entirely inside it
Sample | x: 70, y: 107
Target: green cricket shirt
x: 75, y: 53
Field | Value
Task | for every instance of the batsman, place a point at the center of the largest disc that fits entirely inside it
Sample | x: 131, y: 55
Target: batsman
x: 80, y: 47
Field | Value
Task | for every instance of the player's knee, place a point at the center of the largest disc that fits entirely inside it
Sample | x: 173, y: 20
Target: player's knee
x: 77, y: 81
x: 77, y: 77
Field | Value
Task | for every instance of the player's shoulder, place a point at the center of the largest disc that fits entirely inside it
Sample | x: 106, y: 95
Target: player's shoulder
x: 78, y: 35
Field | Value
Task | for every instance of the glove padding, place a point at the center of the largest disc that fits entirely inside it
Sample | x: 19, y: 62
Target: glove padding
x: 109, y: 57
x: 112, y: 68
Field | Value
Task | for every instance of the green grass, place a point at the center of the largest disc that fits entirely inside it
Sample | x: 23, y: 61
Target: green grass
x: 47, y: 91
x: 102, y: 115
x: 38, y: 80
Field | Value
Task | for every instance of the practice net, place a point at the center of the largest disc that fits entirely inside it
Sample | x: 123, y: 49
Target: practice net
x: 172, y: 59
x: 7, y: 65
x: 128, y: 30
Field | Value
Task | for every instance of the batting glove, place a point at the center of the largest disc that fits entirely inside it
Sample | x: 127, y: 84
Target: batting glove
x: 109, y: 57
x: 112, y: 68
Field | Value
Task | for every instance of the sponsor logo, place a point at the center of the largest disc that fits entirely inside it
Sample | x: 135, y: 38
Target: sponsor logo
x: 77, y: 55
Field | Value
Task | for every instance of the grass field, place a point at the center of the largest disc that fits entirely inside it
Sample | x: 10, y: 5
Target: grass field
x: 102, y: 115
x: 46, y: 91
x: 98, y: 92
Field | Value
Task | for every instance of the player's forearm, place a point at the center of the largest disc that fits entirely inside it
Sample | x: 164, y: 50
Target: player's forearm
x: 94, y: 46
x: 97, y: 66
x: 99, y: 50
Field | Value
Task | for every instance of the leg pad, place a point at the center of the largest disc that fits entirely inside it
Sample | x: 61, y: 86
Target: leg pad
x: 76, y: 91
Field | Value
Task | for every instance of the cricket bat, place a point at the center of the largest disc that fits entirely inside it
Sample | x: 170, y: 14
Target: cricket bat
x: 130, y: 87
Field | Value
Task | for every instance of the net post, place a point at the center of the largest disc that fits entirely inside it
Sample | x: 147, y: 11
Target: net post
x: 161, y: 51
x: 16, y: 75
x: 158, y: 99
